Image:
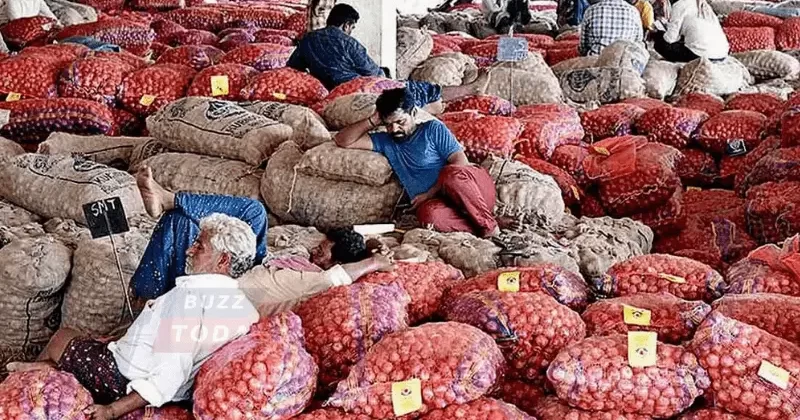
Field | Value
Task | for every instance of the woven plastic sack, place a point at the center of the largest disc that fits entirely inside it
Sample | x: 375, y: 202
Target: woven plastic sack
x: 729, y: 126
x: 278, y: 375
x: 206, y: 175
x: 217, y: 128
x: 331, y: 162
x: 261, y: 57
x: 9, y: 148
x: 192, y: 37
x: 660, y: 78
x: 771, y: 211
x: 453, y: 69
x: 484, y: 104
x: 197, y: 57
x: 602, y: 84
x: 776, y: 166
x: 570, y: 158
x: 43, y: 394
x: 660, y: 273
x: 710, y: 104
x: 546, y: 131
x: 131, y: 36
x: 531, y: 328
x: 413, y: 47
x: 676, y: 127
x: 664, y: 219
x: 750, y: 39
x: 145, y: 91
x: 215, y: 80
x: 483, y: 408
x: 768, y: 65
x: 30, y: 121
x: 566, y: 287
x: 610, y: 121
x: 27, y: 31
x: 722, y: 78
x: 697, y: 168
x: 570, y: 192
x: 205, y: 18
x: 551, y: 408
x: 285, y: 85
x: 675, y: 320
x: 489, y: 135
x: 763, y: 103
x: 733, y: 353
x: 111, y: 151
x: 624, y: 54
x: 92, y: 78
x: 746, y: 19
x: 30, y: 75
x: 772, y: 313
x: 424, y: 282
x: 455, y: 364
x: 343, y: 323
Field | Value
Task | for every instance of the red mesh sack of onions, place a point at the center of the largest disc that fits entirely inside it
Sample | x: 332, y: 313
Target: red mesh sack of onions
x: 610, y: 121
x: 632, y: 174
x: 234, y: 40
x: 746, y: 365
x: 731, y: 126
x: 551, y: 408
x: 164, y: 29
x: 206, y: 18
x: 96, y: 79
x: 455, y: 364
x: 750, y: 39
x: 43, y: 394
x: 22, y: 32
x: 127, y: 124
x: 710, y: 104
x: 595, y: 374
x: 787, y: 36
x: 746, y: 19
x: 778, y: 165
x: 255, y: 17
x: 424, y: 282
x: 570, y: 158
x: 751, y: 160
x: 167, y: 412
x: 489, y: 135
x: 30, y: 76
x: 285, y: 85
x: 485, y: 104
x: 570, y: 191
x: 235, y: 76
x: 768, y: 269
x: 197, y: 57
x: 790, y: 127
x: 524, y: 394
x: 773, y: 313
x: 132, y: 36
x: 263, y: 375
x: 375, y: 85
x: 565, y: 286
x: 537, y: 110
x: 451, y: 118
x: 676, y: 127
x: 763, y: 103
x: 531, y: 328
x: 665, y: 219
x: 771, y: 211
x: 545, y: 132
x: 265, y: 33
x: 343, y: 323
x: 675, y: 320
x: 145, y: 91
x: 480, y: 409
x: 534, y: 40
x: 659, y: 273
x: 716, y: 241
x: 30, y: 121
x: 646, y: 103
x: 697, y: 168
x: 273, y: 39
x: 192, y: 37
x: 730, y: 168
x: 331, y: 414
x: 557, y: 55
x: 63, y: 54
x: 261, y: 57
x: 123, y: 57
x: 444, y: 44
x: 712, y: 414
x: 591, y: 207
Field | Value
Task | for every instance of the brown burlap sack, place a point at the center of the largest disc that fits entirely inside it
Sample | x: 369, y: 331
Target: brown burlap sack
x: 624, y: 54
x: 463, y: 251
x: 206, y: 175
x: 68, y: 232
x: 315, y: 201
x: 337, y: 164
x: 9, y: 148
x: 28, y: 230
x: 349, y: 109
x: 309, y: 128
x: 452, y: 69
x: 111, y: 151
x: 292, y: 236
x: 58, y: 186
x: 530, y: 246
x: 217, y: 128
x: 768, y: 65
x: 576, y: 63
x: 144, y: 151
x: 33, y: 274
x: 525, y: 194
x: 524, y: 84
x: 660, y: 78
x: 720, y: 79
x: 413, y: 47
x: 95, y: 301
x: 13, y: 216
x: 601, y: 84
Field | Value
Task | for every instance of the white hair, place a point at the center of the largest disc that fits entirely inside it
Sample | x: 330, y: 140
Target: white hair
x: 234, y: 237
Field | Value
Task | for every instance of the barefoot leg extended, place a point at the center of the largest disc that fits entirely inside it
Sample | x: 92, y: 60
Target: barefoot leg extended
x: 156, y: 199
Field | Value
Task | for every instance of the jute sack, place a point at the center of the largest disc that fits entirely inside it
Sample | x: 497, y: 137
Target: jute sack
x: 315, y: 201
x: 528, y: 247
x: 349, y: 109
x: 9, y: 148
x: 660, y: 78
x: 309, y: 128
x: 575, y: 64
x: 452, y: 69
x: 292, y: 236
x: 217, y: 128
x: 768, y: 65
x: 68, y: 232
x: 413, y: 47
x: 601, y: 84
x: 525, y: 194
x: 95, y: 301
x: 33, y: 274
x: 719, y: 79
x: 13, y: 216
x: 524, y: 84
x: 72, y: 13
x: 144, y: 151
x: 111, y: 151
x: 463, y: 251
x: 58, y: 186
x: 338, y: 164
x: 205, y: 175
x: 624, y: 54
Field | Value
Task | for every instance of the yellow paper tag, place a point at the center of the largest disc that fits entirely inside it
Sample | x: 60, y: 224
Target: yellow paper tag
x: 602, y: 150
x: 694, y: 189
x: 508, y: 282
x: 671, y: 278
x: 279, y: 96
x: 406, y: 397
x: 642, y: 348
x: 576, y: 192
x: 13, y: 96
x: 636, y: 316
x: 219, y: 85
x: 147, y: 100
x: 774, y: 375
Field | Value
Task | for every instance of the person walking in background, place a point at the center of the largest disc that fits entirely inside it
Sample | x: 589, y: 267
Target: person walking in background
x: 570, y: 12
x: 608, y: 21
x: 503, y: 14
x: 693, y: 31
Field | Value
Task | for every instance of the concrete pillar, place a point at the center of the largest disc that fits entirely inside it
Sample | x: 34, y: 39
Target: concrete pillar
x: 377, y: 30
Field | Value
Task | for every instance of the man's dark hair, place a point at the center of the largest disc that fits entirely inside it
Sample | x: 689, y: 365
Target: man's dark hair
x: 391, y: 101
x: 342, y: 14
x: 519, y: 11
x: 348, y: 246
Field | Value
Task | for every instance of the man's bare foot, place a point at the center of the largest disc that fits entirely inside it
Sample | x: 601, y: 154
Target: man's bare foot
x: 27, y: 367
x: 155, y: 197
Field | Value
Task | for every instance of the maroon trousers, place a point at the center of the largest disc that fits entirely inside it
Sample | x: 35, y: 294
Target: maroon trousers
x: 465, y: 202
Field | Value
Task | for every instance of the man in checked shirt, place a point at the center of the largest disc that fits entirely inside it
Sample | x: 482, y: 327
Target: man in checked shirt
x: 606, y: 21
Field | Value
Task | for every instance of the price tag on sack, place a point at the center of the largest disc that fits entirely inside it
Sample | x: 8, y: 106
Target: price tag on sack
x: 406, y: 397
x: 219, y: 85
x: 672, y: 279
x: 279, y: 96
x: 602, y: 150
x: 13, y: 96
x: 636, y: 316
x: 735, y: 147
x: 510, y: 49
x: 774, y: 375
x: 147, y: 100
x: 508, y: 282
x: 642, y: 348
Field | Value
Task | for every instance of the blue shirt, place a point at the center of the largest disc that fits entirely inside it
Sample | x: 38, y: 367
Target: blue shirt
x: 333, y: 57
x: 418, y: 160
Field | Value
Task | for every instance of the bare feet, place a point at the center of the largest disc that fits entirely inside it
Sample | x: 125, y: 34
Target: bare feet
x: 156, y: 199
x: 27, y: 367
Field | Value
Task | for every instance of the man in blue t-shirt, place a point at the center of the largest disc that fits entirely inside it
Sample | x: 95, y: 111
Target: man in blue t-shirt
x: 445, y: 189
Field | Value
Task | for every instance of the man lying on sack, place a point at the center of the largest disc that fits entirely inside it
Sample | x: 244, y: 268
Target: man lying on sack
x: 445, y: 189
